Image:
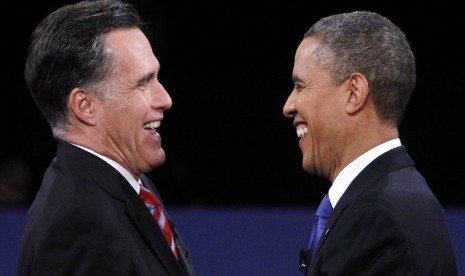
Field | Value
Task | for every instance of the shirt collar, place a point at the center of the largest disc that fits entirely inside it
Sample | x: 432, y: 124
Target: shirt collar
x: 125, y: 173
x: 345, y: 177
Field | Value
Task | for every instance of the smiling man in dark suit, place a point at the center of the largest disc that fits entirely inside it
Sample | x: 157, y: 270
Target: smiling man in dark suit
x: 94, y: 77
x: 353, y: 76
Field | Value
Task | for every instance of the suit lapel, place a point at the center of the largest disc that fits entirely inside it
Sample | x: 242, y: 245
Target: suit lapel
x: 394, y: 159
x: 183, y: 253
x: 107, y: 178
x: 151, y: 232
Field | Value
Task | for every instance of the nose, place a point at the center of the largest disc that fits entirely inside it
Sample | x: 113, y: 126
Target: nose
x: 289, y: 107
x: 160, y: 97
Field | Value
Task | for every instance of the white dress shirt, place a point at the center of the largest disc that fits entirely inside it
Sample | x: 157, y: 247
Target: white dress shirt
x: 345, y: 177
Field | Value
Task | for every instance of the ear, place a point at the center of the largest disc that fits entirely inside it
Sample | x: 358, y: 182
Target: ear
x: 358, y: 93
x: 82, y: 104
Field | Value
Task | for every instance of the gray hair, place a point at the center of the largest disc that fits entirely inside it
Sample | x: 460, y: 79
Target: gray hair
x: 372, y: 45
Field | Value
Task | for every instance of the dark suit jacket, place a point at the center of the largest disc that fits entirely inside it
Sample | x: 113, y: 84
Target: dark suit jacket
x: 388, y: 222
x: 87, y: 220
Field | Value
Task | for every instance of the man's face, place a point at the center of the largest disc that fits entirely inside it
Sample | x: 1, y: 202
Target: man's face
x: 317, y: 107
x: 127, y: 121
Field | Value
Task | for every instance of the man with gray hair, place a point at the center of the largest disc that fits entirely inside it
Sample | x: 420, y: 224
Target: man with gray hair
x: 353, y: 76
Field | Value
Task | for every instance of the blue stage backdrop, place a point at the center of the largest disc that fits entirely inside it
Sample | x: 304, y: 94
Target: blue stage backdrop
x: 242, y: 241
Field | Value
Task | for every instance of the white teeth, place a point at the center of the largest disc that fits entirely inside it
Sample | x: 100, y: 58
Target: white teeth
x: 152, y: 125
x: 301, y: 132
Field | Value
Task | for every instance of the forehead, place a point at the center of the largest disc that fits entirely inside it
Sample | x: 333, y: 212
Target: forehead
x: 130, y: 45
x: 305, y: 63
x: 307, y: 46
x: 305, y: 52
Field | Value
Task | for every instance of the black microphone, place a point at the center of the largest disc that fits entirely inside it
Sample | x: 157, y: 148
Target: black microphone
x: 303, y: 261
x: 175, y: 234
x: 183, y: 252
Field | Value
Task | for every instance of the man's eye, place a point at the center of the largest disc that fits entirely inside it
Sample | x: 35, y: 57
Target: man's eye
x: 298, y: 88
x: 143, y: 85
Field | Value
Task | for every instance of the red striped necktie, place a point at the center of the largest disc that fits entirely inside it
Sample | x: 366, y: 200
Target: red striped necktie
x: 152, y: 202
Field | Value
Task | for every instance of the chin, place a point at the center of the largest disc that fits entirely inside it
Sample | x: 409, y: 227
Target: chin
x: 307, y: 167
x: 158, y: 162
x: 152, y: 161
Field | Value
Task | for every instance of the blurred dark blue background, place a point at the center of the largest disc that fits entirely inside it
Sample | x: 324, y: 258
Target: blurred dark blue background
x: 231, y: 241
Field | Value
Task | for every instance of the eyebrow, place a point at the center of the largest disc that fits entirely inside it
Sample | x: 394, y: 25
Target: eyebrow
x: 145, y: 79
x: 296, y: 79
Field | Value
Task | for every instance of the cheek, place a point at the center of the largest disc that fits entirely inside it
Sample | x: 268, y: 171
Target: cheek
x: 120, y: 116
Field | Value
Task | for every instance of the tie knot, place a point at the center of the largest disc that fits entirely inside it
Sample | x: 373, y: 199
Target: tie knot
x: 148, y: 197
x: 325, y: 209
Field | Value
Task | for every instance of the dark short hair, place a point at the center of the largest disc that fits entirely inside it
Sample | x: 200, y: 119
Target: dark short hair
x: 67, y: 51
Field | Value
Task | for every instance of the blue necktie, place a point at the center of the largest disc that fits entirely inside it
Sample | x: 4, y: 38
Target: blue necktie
x: 322, y: 214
